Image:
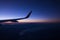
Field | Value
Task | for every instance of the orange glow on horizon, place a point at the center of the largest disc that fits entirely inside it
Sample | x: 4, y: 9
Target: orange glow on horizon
x: 31, y: 21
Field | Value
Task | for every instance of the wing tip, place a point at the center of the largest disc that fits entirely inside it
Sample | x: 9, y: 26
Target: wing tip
x: 29, y: 14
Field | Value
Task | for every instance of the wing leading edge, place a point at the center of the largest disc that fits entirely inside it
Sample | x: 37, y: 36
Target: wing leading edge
x: 15, y: 20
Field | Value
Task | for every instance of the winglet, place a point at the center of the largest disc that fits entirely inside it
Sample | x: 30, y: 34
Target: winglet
x: 28, y: 14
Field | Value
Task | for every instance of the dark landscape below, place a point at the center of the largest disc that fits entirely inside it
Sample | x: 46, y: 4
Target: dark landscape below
x: 30, y: 31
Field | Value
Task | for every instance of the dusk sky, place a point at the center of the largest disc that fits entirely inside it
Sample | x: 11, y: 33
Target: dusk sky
x: 41, y: 9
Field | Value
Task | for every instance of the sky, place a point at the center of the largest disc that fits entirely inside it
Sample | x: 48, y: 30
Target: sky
x: 42, y: 10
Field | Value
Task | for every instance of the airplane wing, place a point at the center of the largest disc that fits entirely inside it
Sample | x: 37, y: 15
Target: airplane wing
x: 15, y: 20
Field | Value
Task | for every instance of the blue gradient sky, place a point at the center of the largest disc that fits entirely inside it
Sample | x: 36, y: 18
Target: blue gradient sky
x: 41, y: 9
